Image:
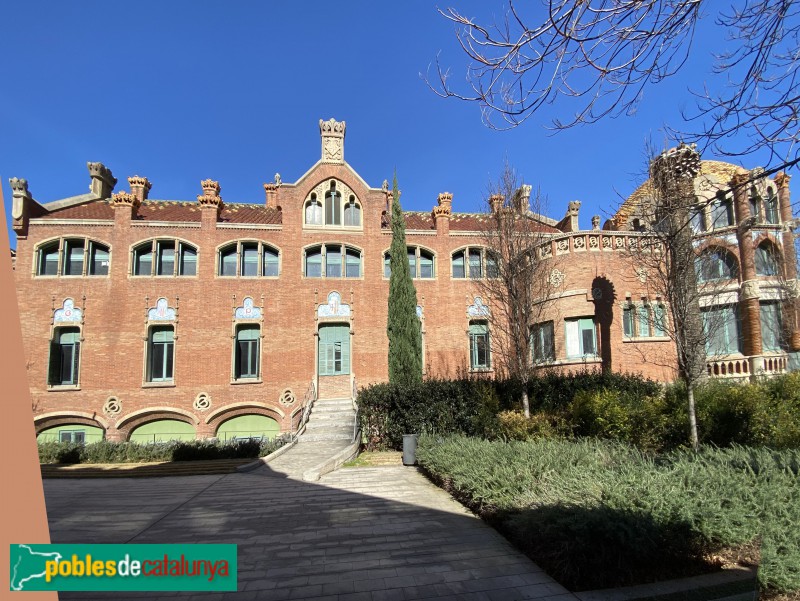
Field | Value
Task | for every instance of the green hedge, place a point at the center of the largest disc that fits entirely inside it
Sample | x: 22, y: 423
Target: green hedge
x: 131, y: 452
x: 619, y: 407
x: 598, y: 514
x: 471, y: 406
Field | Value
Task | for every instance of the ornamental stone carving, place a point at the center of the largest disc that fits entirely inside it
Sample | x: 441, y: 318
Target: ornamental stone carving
x: 248, y: 310
x: 162, y: 311
x: 593, y: 242
x: 202, y: 402
x: 112, y: 407
x: 641, y: 274
x: 606, y: 241
x: 332, y: 133
x: 619, y: 242
x: 562, y: 245
x: 334, y: 307
x: 556, y: 278
x: 68, y: 313
x: 579, y: 243
x: 477, y: 308
x: 287, y: 398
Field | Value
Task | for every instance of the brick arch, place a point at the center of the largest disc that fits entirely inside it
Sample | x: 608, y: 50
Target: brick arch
x: 714, y: 242
x: 223, y: 414
x: 767, y: 237
x: 59, y: 418
x: 131, y: 421
x: 322, y: 173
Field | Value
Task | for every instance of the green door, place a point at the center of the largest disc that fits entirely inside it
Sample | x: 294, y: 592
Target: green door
x: 334, y: 350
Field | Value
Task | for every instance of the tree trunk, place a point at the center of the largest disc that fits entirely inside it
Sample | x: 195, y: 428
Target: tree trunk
x: 692, y: 418
x: 526, y: 405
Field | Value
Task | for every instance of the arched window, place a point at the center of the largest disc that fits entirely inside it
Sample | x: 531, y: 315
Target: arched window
x: 332, y: 261
x: 716, y: 264
x: 721, y: 212
x: 771, y: 207
x: 164, y: 258
x: 333, y: 206
x: 766, y: 260
x: 420, y: 263
x: 72, y: 257
x: 352, y: 213
x: 313, y: 211
x: 248, y: 259
x: 474, y: 263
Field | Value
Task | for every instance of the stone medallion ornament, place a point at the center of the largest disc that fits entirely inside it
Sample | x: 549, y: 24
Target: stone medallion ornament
x: 287, y: 398
x: 68, y: 313
x: 112, y: 407
x: 556, y: 278
x: 202, y: 402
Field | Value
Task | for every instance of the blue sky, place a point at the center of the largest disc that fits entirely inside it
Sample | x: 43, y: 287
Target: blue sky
x: 183, y: 91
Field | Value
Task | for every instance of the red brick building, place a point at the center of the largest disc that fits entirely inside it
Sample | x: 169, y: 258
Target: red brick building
x: 146, y: 319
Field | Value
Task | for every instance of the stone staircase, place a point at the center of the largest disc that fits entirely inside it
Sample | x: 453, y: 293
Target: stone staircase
x: 325, y: 445
x: 330, y: 419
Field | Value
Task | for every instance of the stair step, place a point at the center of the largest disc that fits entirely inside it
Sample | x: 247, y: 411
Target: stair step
x: 321, y: 437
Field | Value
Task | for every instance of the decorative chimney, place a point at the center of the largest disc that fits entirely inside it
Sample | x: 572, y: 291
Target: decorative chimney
x: 140, y: 187
x: 496, y: 202
x: 125, y: 206
x: 595, y: 222
x: 103, y: 181
x: 332, y: 133
x: 442, y: 212
x: 21, y: 206
x: 570, y: 220
x: 271, y: 190
x: 210, y: 202
x: 522, y: 199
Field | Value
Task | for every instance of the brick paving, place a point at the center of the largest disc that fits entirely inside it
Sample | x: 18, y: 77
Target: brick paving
x: 359, y: 534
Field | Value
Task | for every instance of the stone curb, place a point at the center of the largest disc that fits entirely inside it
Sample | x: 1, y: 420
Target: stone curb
x: 249, y: 467
x: 313, y: 474
x: 733, y: 584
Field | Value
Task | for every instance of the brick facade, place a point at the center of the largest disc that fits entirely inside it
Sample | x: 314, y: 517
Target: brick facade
x: 117, y: 313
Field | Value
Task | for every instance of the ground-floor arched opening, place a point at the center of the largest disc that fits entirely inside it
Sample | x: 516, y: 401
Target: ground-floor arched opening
x: 248, y: 426
x: 162, y: 430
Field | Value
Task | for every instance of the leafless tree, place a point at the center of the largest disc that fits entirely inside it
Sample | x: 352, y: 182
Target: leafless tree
x: 604, y: 54
x: 517, y: 283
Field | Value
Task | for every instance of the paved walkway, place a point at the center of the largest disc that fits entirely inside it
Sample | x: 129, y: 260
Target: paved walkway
x: 359, y: 534
x: 304, y: 456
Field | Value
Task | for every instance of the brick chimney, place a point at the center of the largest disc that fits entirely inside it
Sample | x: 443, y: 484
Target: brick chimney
x: 103, y: 181
x: 496, y: 202
x: 271, y: 189
x: 442, y: 212
x: 211, y: 203
x: 125, y: 207
x: 140, y: 187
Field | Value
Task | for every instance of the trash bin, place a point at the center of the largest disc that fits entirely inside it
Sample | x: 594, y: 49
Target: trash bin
x: 410, y: 448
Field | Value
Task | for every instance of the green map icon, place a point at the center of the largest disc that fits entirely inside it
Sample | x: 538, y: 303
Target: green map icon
x: 28, y: 565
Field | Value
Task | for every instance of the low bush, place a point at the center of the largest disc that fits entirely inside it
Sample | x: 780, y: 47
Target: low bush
x: 106, y: 451
x: 598, y: 514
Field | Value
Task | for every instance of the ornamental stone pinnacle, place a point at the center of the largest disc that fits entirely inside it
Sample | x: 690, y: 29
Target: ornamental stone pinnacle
x: 124, y: 199
x: 103, y: 181
x: 210, y: 196
x: 140, y: 187
x: 332, y: 133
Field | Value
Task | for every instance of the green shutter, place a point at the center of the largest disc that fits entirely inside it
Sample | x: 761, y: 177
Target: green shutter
x: 54, y: 373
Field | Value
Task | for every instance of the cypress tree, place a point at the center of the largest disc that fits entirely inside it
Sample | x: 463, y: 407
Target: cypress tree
x: 403, y: 327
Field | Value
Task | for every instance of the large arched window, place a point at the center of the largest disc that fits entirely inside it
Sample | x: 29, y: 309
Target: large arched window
x: 332, y: 261
x: 474, y: 263
x: 164, y: 258
x: 766, y: 259
x: 247, y: 258
x: 72, y: 257
x: 332, y: 204
x: 420, y: 263
x: 716, y: 264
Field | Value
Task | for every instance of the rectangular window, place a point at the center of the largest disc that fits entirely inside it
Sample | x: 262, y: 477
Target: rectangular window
x: 143, y: 261
x: 246, y: 353
x: 333, y: 262
x: 64, y: 357
x: 581, y: 338
x: 721, y: 327
x: 659, y: 320
x: 249, y: 260
x: 161, y: 351
x: 314, y: 265
x: 353, y: 264
x: 542, y: 343
x: 771, y: 205
x: 479, y: 345
x: 425, y: 266
x: 771, y: 327
x: 48, y: 260
x: 458, y: 265
x: 644, y: 321
x: 722, y: 213
x: 475, y: 268
x: 98, y: 259
x: 627, y: 321
x: 166, y: 258
x: 188, y: 260
x: 73, y: 257
x: 228, y: 262
x: 412, y: 263
x: 492, y: 268
x: 271, y: 265
x: 698, y: 220
x: 76, y: 436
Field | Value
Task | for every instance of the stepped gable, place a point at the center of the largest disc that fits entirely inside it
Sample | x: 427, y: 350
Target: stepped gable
x: 171, y: 210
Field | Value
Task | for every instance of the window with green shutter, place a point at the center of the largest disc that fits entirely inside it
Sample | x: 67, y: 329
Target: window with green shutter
x: 64, y: 357
x: 334, y: 350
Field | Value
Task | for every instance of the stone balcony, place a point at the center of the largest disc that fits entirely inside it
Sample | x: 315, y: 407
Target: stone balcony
x: 739, y: 366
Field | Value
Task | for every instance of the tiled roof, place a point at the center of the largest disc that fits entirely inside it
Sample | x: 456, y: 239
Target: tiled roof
x: 170, y: 210
x: 459, y: 222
